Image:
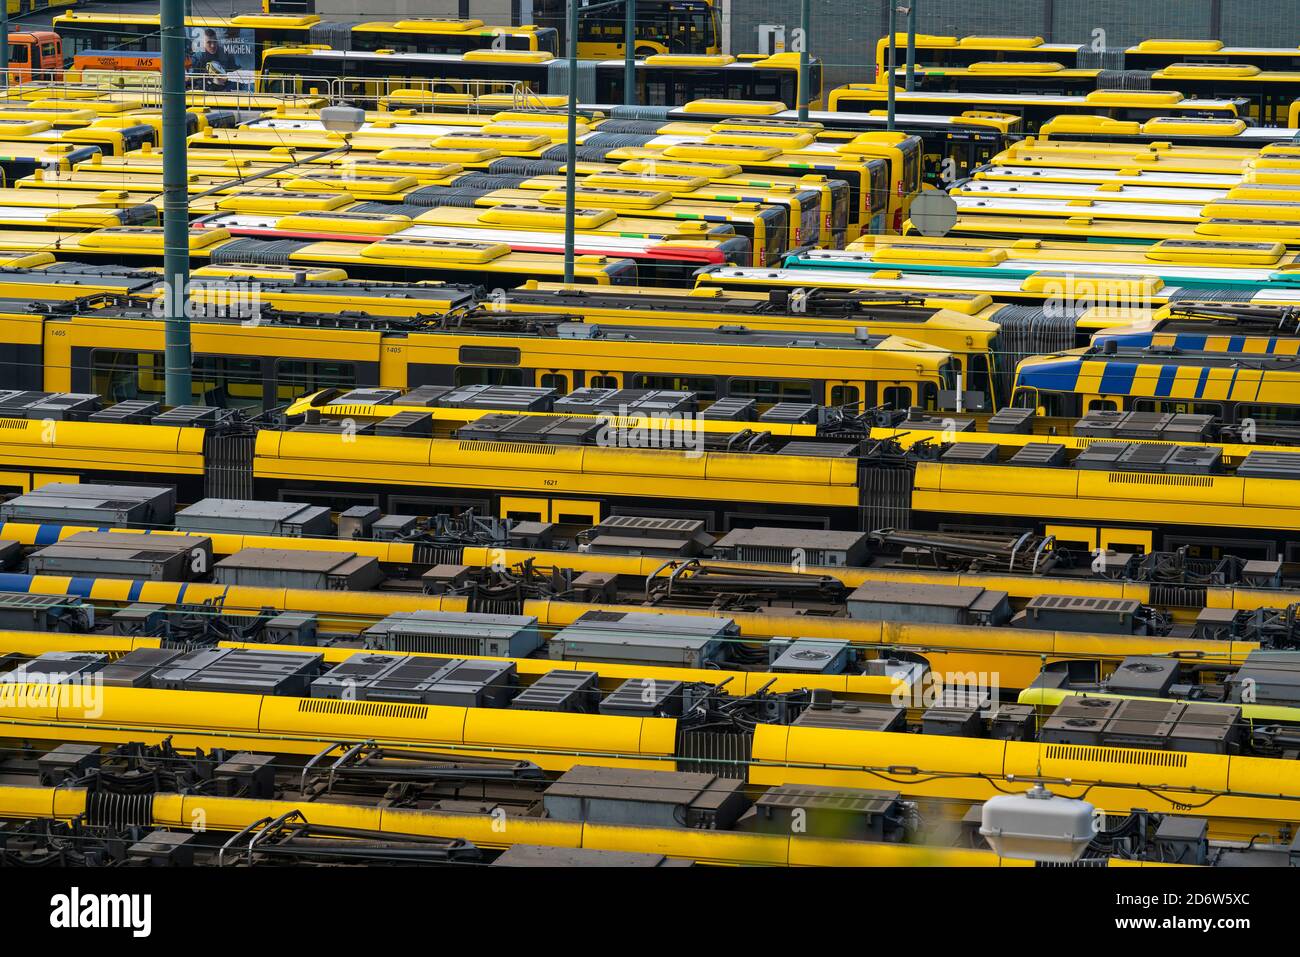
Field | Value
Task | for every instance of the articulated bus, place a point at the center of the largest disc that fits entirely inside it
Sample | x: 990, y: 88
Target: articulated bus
x: 491, y: 264
x: 1166, y: 132
x: 943, y: 51
x: 662, y: 80
x: 244, y: 38
x: 1035, y: 110
x: 1268, y: 93
x: 662, y: 26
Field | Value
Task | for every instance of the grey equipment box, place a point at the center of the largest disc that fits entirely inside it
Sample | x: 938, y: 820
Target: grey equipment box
x: 140, y: 619
x: 1182, y: 840
x: 643, y: 638
x: 1038, y: 455
x: 135, y: 669
x: 953, y: 722
x: 368, y: 397
x: 645, y: 698
x: 853, y: 716
x: 590, y: 400
x: 240, y: 670
x: 1139, y: 723
x: 292, y: 568
x: 456, y: 633
x: 240, y: 516
x: 1012, y: 722
x: 650, y: 537
x: 357, y: 521
x: 793, y: 546
x: 1267, y: 677
x: 538, y: 855
x: 165, y: 849
x: 852, y: 814
x: 509, y: 398
x: 1011, y: 421
x: 66, y: 762
x: 1148, y: 677
x: 1078, y: 720
x: 188, y: 417
x: 372, y: 677
x: 367, y: 676
x: 444, y: 579
x: 58, y: 668
x: 392, y: 528
x: 1279, y: 465
x: 64, y: 407
x: 66, y: 503
x: 933, y: 604
x: 625, y: 796
x: 570, y: 691
x: 1208, y: 729
x: 1101, y: 456
x: 424, y: 395
x: 531, y: 534
x: 474, y: 684
x: 732, y: 409
x: 290, y: 628
x: 971, y: 453
x: 1109, y: 616
x: 20, y: 611
x: 176, y: 558
x: 130, y: 412
x: 408, y: 424
x: 811, y: 656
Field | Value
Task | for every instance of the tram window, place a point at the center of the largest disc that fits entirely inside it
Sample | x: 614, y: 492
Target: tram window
x: 771, y: 390
x: 1053, y: 403
x: 733, y: 520
x: 554, y: 380
x: 294, y: 378
x: 1103, y: 405
x: 1216, y: 549
x: 228, y: 383
x: 413, y: 505
x: 604, y: 382
x: 489, y: 355
x: 978, y: 375
x: 897, y: 397
x: 485, y: 375
x: 17, y: 54
x: 705, y: 387
x: 928, y: 397
x: 1196, y: 408
x: 119, y: 376
x: 334, y: 501
x: 1270, y: 414
x: 845, y: 395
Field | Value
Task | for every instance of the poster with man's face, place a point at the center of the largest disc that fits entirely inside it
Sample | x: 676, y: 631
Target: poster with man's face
x: 222, y: 57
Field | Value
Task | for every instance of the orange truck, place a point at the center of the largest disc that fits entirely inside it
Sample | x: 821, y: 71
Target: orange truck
x: 35, y: 55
